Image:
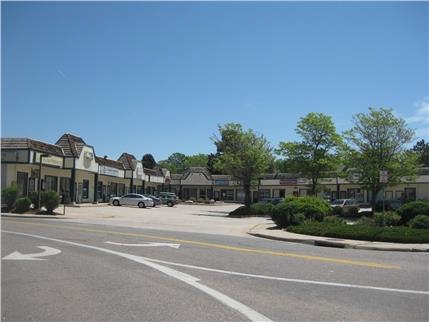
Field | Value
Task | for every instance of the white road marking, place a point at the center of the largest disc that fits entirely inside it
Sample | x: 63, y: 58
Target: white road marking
x: 145, y: 245
x: 47, y: 251
x: 294, y: 280
x: 188, y: 279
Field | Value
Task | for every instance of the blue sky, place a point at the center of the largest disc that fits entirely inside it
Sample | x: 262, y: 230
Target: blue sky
x: 144, y: 77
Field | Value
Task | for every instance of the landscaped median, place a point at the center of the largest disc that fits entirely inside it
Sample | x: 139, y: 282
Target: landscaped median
x: 314, y: 217
x: 363, y: 232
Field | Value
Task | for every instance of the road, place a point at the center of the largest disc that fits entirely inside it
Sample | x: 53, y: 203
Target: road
x: 97, y: 272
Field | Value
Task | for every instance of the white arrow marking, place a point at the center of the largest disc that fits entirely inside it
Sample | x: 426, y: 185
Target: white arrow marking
x: 145, y: 245
x: 47, y: 251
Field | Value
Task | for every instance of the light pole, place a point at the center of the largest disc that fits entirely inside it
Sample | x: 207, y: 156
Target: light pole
x: 39, y: 184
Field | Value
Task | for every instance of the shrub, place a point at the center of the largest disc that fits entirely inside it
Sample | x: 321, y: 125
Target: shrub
x: 363, y: 232
x: 366, y: 221
x: 338, y: 211
x: 412, y: 209
x: 353, y: 211
x: 263, y: 208
x: 420, y: 222
x: 9, y: 196
x: 50, y: 200
x: 243, y: 211
x: 312, y: 208
x: 389, y: 218
x: 22, y: 205
x: 334, y: 219
x: 34, y: 197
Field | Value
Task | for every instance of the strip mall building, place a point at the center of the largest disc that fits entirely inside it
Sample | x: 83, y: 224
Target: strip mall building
x: 71, y: 168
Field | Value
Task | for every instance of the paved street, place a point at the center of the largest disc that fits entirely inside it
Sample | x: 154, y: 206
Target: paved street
x: 99, y: 272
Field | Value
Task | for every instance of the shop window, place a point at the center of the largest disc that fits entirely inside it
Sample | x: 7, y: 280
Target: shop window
x: 410, y: 194
x: 388, y: 195
x: 85, y: 189
x: 113, y: 189
x: 22, y: 182
x: 264, y: 194
x: 276, y: 193
x: 203, y: 193
x: 65, y: 189
x: 51, y: 183
x: 121, y: 189
x: 99, y: 190
x: 399, y: 195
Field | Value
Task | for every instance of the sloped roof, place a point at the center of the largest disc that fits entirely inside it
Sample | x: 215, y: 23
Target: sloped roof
x: 72, y: 145
x: 25, y: 143
x: 128, y: 161
x: 202, y: 170
x: 109, y: 163
x: 272, y: 176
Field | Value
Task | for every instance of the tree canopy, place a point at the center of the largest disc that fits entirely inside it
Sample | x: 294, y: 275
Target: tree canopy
x: 316, y: 152
x: 242, y: 154
x: 377, y: 142
x: 422, y: 150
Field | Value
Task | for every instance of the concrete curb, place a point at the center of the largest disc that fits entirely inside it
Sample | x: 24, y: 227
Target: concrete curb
x: 32, y: 216
x: 257, y: 231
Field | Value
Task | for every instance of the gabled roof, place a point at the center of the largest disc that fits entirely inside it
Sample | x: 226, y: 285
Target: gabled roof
x: 128, y: 160
x: 72, y: 145
x: 202, y: 170
x: 109, y: 163
x: 25, y: 143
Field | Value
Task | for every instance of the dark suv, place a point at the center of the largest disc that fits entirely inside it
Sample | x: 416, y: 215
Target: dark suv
x: 168, y: 198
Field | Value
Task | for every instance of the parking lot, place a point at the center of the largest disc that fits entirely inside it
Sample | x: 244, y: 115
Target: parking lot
x: 210, y: 219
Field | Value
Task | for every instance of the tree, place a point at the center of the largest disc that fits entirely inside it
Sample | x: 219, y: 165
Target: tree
x: 316, y: 152
x: 422, y: 150
x: 148, y: 161
x: 175, y: 163
x: 242, y: 154
x: 377, y: 142
x: 196, y: 160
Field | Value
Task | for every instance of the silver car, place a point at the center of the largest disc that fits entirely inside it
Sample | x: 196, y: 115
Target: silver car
x: 132, y: 199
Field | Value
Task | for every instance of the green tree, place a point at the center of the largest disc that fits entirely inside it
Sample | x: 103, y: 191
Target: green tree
x: 196, y: 160
x: 316, y: 152
x: 377, y: 142
x: 242, y: 154
x: 175, y: 163
x: 422, y: 150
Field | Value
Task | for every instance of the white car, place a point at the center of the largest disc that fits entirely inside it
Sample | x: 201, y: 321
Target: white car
x: 132, y: 199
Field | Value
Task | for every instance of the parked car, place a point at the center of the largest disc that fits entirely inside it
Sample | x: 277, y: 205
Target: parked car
x: 156, y: 200
x: 168, y: 198
x: 132, y: 199
x: 347, y: 204
x: 273, y: 201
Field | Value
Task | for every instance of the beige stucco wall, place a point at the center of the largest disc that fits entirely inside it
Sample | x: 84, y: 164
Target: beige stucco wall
x: 85, y: 163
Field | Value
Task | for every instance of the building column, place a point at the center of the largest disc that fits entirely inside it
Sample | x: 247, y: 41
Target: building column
x: 95, y: 187
x: 72, y: 186
x: 132, y: 183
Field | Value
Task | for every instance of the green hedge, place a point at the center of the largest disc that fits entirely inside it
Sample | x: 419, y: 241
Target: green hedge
x: 22, y: 205
x: 9, y: 196
x: 420, y: 222
x: 263, y: 208
x: 412, y: 209
x: 294, y: 210
x: 363, y: 232
x: 243, y: 211
x: 50, y: 200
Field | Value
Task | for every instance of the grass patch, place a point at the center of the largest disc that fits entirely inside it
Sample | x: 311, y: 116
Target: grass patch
x: 400, y: 234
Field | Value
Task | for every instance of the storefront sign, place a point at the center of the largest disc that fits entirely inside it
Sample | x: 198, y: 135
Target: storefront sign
x: 221, y: 182
x: 109, y: 171
x: 288, y: 182
x: 49, y: 160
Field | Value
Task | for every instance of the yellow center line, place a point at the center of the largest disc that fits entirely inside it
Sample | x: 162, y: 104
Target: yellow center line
x: 222, y: 246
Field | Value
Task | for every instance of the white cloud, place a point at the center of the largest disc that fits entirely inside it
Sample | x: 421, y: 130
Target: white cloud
x: 420, y: 118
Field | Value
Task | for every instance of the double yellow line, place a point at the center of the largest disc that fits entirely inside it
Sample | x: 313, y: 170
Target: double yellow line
x: 221, y: 246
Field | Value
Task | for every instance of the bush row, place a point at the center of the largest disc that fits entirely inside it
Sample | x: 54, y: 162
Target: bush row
x: 48, y: 199
x: 400, y: 234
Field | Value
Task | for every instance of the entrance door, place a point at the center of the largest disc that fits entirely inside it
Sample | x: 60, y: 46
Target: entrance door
x: 22, y: 183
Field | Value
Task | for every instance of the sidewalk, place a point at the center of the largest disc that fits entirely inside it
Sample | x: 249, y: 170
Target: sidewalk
x: 268, y: 231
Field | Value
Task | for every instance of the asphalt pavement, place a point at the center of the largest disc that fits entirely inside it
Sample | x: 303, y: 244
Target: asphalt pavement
x: 88, y: 271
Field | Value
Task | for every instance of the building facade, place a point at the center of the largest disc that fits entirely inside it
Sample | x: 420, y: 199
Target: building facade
x: 71, y: 168
x: 199, y: 184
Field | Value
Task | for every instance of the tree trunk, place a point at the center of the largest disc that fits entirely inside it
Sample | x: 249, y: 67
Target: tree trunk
x: 247, y: 195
